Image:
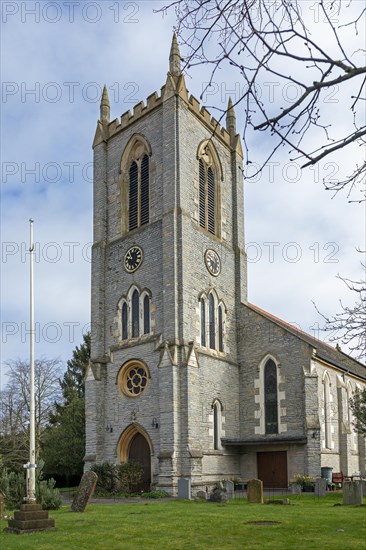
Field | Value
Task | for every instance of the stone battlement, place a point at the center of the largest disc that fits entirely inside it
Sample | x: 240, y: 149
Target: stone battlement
x: 154, y: 100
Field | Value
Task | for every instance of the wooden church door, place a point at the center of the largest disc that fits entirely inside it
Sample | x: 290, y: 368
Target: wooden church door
x: 140, y: 452
x: 272, y: 469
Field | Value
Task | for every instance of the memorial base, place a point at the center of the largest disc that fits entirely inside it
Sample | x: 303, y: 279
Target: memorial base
x: 30, y: 518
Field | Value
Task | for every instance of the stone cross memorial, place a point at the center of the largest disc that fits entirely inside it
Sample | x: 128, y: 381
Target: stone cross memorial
x: 255, y: 491
x: 85, y: 492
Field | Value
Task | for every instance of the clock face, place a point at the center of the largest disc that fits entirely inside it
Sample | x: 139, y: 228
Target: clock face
x: 133, y: 259
x: 213, y: 263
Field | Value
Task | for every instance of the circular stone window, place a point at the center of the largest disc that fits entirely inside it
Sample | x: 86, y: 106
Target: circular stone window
x: 133, y: 378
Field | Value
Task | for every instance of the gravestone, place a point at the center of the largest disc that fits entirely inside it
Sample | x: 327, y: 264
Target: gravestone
x: 184, y: 489
x: 85, y: 492
x: 296, y: 489
x: 352, y: 493
x: 202, y: 494
x: 218, y: 495
x: 320, y: 486
x: 255, y: 491
x: 229, y: 488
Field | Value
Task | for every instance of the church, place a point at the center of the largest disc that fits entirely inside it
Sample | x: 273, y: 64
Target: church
x: 186, y: 376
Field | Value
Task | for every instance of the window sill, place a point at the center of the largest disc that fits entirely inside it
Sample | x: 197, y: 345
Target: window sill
x: 136, y: 341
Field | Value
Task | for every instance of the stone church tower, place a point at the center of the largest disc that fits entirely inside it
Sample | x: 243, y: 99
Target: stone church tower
x: 186, y: 377
x: 168, y: 272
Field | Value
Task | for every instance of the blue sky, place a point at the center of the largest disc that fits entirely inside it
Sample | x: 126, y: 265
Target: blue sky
x: 55, y: 59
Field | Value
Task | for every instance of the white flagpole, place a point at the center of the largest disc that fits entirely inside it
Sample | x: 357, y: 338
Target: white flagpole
x: 31, y: 478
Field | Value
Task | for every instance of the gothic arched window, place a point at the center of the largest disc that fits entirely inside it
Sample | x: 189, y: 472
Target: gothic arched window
x: 211, y: 321
x: 221, y: 328
x: 139, y: 193
x: 135, y: 307
x: 135, y: 192
x: 327, y: 410
x: 217, y: 424
x: 135, y: 313
x: 209, y: 188
x: 203, y: 322
x: 124, y: 321
x: 146, y: 309
x: 270, y: 397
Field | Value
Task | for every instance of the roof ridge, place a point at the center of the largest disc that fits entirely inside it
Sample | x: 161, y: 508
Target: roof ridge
x: 260, y: 310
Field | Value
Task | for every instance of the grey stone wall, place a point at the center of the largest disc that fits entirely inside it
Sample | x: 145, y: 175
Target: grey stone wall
x: 186, y: 378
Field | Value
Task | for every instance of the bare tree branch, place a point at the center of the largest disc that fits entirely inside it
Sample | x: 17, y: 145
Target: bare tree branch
x: 259, y: 38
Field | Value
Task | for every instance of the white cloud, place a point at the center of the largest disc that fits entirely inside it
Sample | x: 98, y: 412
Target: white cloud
x: 132, y: 59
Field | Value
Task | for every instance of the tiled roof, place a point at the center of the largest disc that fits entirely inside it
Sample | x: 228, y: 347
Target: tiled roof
x: 324, y: 351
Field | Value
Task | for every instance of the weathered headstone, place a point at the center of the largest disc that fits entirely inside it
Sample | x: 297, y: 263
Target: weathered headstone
x: 352, y: 492
x: 296, y: 489
x: 218, y: 495
x: 202, y: 494
x: 363, y: 484
x: 320, y: 486
x: 184, y: 489
x: 255, y: 491
x: 85, y: 492
x: 229, y: 488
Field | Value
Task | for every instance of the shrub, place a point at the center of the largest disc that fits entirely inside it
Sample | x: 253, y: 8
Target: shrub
x: 130, y: 475
x: 108, y: 481
x: 13, y: 485
x: 118, y: 478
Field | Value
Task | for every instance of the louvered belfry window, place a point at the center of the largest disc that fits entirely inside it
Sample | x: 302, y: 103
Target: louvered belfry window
x: 207, y: 197
x: 202, y: 195
x: 211, y: 201
x: 139, y: 193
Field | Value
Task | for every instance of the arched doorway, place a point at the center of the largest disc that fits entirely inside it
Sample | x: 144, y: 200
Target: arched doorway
x: 135, y: 446
x: 139, y: 451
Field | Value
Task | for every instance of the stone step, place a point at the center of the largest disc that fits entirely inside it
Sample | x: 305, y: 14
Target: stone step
x: 30, y: 516
x: 30, y: 507
x: 31, y: 524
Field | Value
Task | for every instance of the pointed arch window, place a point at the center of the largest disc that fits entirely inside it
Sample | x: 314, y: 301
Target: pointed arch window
x: 135, y: 313
x: 212, y: 312
x: 135, y: 192
x: 203, y: 322
x: 124, y: 321
x: 270, y: 397
x: 221, y: 328
x: 209, y: 169
x: 217, y: 424
x: 211, y: 321
x: 327, y: 411
x: 139, y: 193
x: 146, y: 309
x: 133, y: 196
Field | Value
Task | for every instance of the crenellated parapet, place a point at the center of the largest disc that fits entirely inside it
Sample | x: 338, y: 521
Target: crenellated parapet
x: 175, y: 86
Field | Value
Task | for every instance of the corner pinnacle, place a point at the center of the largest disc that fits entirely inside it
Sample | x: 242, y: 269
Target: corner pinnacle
x: 105, y: 107
x: 230, y: 118
x: 174, y: 58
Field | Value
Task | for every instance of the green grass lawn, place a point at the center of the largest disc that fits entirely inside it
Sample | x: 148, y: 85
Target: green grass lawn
x: 309, y: 522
